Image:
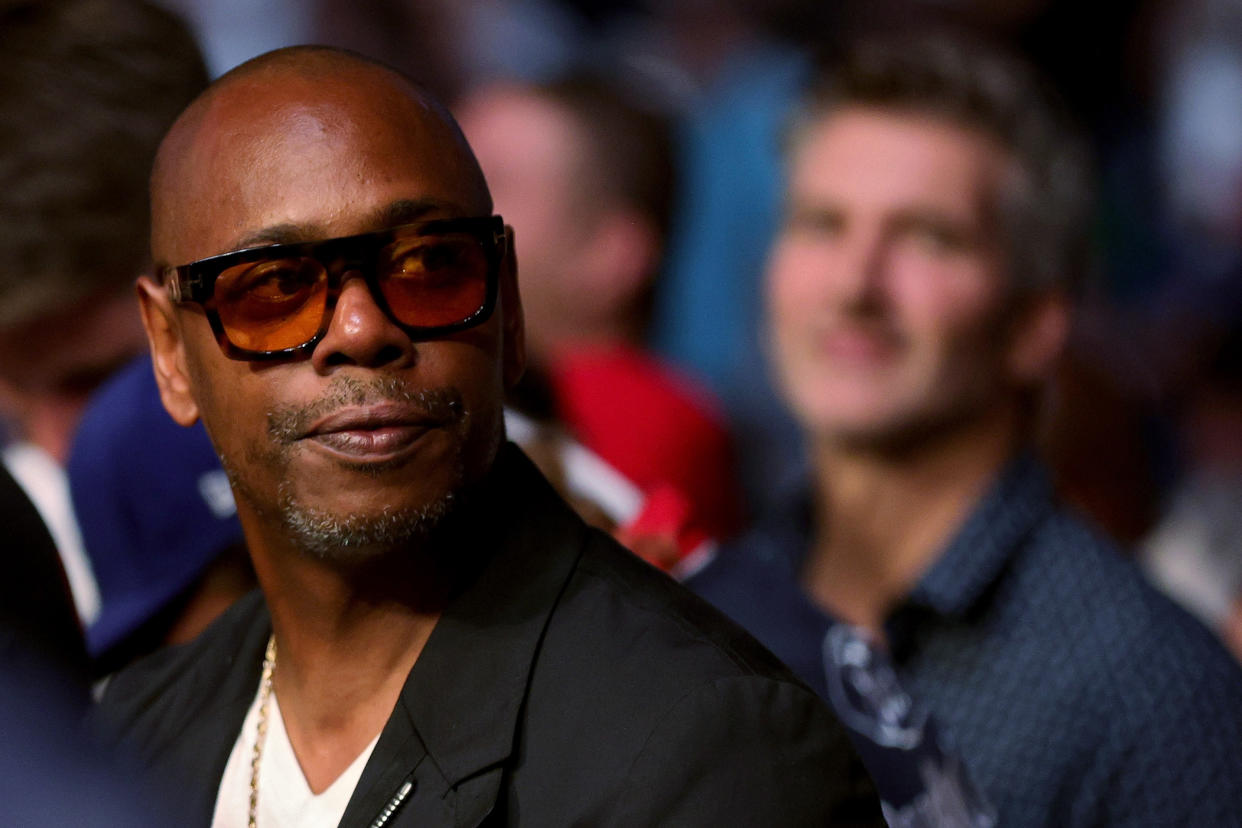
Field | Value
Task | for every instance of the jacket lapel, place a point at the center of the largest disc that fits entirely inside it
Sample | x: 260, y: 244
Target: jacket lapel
x: 458, y: 715
x: 209, y: 714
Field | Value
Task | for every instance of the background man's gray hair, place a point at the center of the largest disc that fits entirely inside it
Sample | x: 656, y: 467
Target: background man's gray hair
x: 87, y: 90
x: 1047, y: 209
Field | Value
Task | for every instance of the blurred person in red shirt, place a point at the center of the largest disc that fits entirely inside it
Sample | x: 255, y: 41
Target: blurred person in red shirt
x: 586, y: 177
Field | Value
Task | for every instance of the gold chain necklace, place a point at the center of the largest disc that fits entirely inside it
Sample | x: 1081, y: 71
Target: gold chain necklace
x: 265, y: 696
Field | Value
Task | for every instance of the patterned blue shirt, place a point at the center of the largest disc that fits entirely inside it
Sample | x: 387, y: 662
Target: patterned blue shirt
x: 1075, y: 693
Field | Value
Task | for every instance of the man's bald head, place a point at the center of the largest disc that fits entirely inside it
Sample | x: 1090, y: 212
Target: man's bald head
x: 310, y: 145
x: 297, y: 92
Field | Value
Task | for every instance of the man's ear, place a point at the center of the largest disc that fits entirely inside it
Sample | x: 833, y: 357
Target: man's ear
x: 621, y: 255
x: 1040, y: 332
x: 167, y: 351
x: 513, y: 322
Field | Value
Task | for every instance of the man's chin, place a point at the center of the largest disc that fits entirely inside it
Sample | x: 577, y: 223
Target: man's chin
x: 900, y: 433
x: 357, y: 538
x: 864, y: 430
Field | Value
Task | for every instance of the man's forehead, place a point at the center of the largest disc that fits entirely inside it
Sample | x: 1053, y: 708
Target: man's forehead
x: 286, y: 147
x: 890, y: 152
x: 865, y: 128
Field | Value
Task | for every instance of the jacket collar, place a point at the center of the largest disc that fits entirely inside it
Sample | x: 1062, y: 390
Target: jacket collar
x: 488, y: 638
x: 206, y: 710
x: 459, y: 707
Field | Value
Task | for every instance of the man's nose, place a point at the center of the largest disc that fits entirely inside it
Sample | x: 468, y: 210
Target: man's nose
x: 360, y: 333
x: 860, y: 277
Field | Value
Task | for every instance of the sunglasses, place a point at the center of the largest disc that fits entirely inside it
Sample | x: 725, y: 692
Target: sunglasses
x: 275, y: 302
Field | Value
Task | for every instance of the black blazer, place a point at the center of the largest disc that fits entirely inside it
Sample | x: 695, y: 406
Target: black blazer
x: 36, y: 607
x: 568, y: 684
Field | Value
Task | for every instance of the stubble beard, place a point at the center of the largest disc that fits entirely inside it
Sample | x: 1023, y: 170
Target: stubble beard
x: 942, y: 408
x: 352, y: 539
x: 925, y: 421
x: 355, y: 539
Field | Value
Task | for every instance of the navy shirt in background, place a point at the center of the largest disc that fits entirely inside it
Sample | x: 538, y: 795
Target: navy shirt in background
x: 1073, y: 692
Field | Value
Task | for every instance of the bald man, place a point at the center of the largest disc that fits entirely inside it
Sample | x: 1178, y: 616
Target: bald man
x: 439, y: 640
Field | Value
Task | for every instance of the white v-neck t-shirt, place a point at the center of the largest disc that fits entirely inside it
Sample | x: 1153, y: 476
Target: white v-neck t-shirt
x: 285, y: 798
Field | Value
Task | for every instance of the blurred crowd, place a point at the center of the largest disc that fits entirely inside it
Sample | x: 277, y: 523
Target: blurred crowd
x: 1141, y: 427
x: 638, y: 148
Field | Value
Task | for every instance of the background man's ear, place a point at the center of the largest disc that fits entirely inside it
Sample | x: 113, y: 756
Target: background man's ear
x: 514, y: 323
x: 619, y: 259
x: 167, y: 351
x: 1040, y: 334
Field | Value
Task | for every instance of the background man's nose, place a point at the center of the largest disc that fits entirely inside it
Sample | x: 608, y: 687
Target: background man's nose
x: 860, y: 281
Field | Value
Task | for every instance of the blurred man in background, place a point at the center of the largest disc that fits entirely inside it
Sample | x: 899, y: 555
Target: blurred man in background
x: 158, y: 522
x: 87, y: 89
x: 586, y: 177
x: 919, y: 295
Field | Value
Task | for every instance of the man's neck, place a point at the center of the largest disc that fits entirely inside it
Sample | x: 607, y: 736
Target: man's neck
x: 882, y: 518
x: 346, y: 640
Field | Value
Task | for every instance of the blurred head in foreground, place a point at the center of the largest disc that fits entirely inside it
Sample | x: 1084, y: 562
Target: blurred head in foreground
x: 87, y: 90
x: 158, y: 521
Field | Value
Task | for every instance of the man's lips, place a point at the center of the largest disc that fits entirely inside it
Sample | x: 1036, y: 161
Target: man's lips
x: 373, y: 432
x: 859, y: 347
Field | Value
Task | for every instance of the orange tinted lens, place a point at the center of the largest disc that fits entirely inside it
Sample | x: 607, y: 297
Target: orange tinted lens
x: 272, y: 305
x: 432, y: 281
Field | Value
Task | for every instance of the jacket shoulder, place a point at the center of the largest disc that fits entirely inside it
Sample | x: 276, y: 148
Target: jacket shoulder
x: 654, y: 601
x: 645, y: 697
x: 143, y: 703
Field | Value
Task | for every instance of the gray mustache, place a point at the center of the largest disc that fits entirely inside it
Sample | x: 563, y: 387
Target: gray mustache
x: 289, y: 423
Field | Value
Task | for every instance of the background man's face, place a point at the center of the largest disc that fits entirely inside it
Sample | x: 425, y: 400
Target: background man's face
x: 285, y: 160
x: 531, y: 152
x: 886, y: 286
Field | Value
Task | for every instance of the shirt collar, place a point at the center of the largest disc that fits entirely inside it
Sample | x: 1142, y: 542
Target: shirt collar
x: 783, y: 534
x: 992, y: 535
x: 1019, y: 497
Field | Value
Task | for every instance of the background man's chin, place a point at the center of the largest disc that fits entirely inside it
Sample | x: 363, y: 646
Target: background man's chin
x: 899, y: 436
